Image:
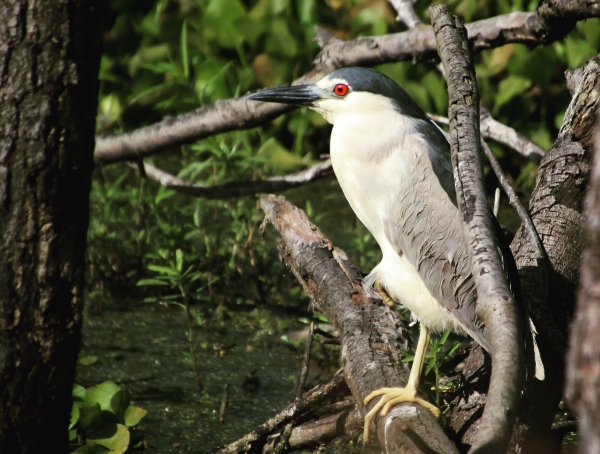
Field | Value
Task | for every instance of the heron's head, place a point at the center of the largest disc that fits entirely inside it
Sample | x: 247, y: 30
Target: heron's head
x: 346, y: 92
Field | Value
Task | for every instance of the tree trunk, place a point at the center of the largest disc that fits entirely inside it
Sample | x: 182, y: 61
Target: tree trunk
x: 583, y: 371
x: 49, y: 60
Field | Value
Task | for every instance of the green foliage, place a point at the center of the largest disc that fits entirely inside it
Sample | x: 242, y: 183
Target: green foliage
x: 103, y: 420
x: 182, y: 283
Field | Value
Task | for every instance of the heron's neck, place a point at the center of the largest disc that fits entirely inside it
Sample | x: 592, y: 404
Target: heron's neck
x: 372, y: 137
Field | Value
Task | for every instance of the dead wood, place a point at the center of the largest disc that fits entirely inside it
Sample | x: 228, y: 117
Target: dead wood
x: 496, y: 305
x: 372, y: 337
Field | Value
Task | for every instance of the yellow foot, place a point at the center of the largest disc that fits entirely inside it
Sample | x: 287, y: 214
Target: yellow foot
x: 391, y: 397
x: 385, y: 296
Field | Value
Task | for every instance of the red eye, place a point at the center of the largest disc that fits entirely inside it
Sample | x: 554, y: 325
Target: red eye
x: 341, y: 89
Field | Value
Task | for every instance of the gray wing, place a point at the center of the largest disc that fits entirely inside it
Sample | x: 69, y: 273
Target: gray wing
x: 431, y: 237
x: 427, y: 227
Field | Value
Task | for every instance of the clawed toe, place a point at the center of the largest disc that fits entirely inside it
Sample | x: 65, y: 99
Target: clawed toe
x: 389, y: 398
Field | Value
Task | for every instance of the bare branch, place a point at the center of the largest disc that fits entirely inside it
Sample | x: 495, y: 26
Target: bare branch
x: 417, y: 44
x: 228, y: 190
x: 505, y: 135
x: 495, y: 302
x: 406, y: 12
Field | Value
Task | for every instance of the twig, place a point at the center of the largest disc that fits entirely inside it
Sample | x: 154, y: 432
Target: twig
x: 330, y: 340
x: 306, y: 362
x: 564, y: 426
x: 495, y: 302
x: 496, y: 202
x: 293, y: 410
x: 228, y: 190
x: 283, y: 443
x: 406, y: 12
x: 224, y: 400
x: 503, y: 134
x: 325, y: 334
x: 417, y: 44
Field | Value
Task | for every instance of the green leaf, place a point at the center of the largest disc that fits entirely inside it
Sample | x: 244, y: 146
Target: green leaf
x: 133, y: 415
x: 78, y: 391
x: 91, y: 449
x: 119, y: 403
x: 163, y: 270
x: 73, y: 436
x: 179, y: 259
x: 183, y: 48
x: 101, y: 394
x: 509, y: 88
x: 88, y: 360
x: 151, y: 282
x: 74, y: 416
x: 430, y: 366
x: 115, y: 437
x: 444, y: 337
x: 219, y: 22
x: 88, y: 417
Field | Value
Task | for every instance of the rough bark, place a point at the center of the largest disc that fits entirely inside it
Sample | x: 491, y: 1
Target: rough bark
x: 496, y: 305
x: 583, y: 367
x: 371, y: 335
x: 556, y: 209
x: 49, y: 60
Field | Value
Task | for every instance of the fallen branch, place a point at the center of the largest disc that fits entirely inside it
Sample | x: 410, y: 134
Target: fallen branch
x: 345, y: 424
x: 258, y: 436
x: 551, y: 21
x: 228, y: 190
x: 372, y: 337
x: 495, y: 303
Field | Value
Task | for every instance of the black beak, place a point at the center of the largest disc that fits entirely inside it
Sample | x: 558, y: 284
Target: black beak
x: 298, y: 95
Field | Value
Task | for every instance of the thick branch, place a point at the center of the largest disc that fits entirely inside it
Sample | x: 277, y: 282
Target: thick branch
x: 583, y: 368
x: 228, y: 190
x: 416, y: 44
x: 371, y: 335
x: 495, y: 302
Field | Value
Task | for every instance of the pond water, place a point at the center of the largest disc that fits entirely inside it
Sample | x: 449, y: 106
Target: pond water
x: 144, y: 347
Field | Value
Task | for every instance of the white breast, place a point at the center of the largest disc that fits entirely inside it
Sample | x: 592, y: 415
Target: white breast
x: 373, y: 166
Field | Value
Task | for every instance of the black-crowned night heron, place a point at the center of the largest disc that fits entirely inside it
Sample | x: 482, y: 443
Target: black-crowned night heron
x: 393, y: 164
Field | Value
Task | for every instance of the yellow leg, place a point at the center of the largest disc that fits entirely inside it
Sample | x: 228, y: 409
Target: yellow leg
x: 393, y: 396
x: 385, y: 296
